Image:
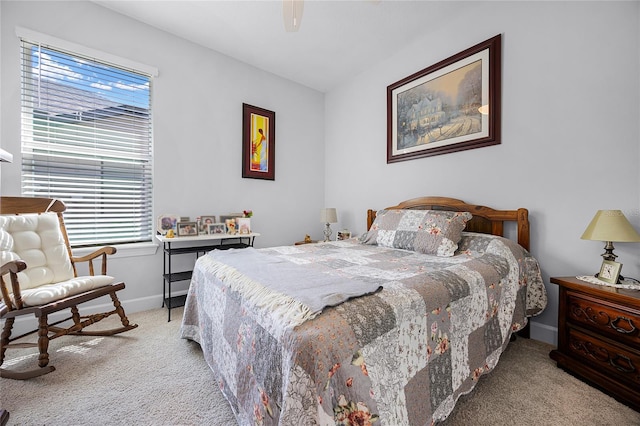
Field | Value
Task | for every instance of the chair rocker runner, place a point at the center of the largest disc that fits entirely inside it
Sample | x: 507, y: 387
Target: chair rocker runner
x: 38, y: 276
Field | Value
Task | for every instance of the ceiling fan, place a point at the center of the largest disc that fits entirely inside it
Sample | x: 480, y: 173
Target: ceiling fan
x: 292, y: 14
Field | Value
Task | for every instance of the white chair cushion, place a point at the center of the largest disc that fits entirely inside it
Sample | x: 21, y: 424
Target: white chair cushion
x: 51, y: 292
x: 38, y: 240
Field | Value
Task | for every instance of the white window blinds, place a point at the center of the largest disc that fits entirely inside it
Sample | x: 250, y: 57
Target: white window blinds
x: 86, y: 139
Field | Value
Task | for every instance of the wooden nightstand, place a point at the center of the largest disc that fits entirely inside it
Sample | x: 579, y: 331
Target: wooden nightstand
x: 599, y: 337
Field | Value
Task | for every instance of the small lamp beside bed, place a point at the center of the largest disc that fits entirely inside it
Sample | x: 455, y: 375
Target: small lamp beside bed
x: 610, y: 226
x: 328, y: 216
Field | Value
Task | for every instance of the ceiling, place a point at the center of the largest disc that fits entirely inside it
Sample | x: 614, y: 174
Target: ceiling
x: 336, y: 41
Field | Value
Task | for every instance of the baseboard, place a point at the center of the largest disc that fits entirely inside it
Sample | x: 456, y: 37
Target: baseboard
x: 27, y: 323
x: 541, y: 332
x: 544, y: 333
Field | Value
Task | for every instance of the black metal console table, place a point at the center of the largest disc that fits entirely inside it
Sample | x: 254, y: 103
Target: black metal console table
x: 199, y: 245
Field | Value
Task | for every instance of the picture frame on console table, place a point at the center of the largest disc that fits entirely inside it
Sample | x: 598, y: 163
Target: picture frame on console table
x: 167, y: 222
x: 231, y: 226
x: 217, y: 228
x: 451, y: 106
x: 244, y: 225
x: 225, y: 217
x: 205, y: 221
x: 187, y: 229
x: 258, y: 143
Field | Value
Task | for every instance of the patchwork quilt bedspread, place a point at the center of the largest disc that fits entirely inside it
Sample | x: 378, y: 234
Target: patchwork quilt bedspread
x: 401, y: 355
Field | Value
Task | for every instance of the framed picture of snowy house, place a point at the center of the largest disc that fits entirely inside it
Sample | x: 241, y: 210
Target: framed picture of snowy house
x: 451, y: 106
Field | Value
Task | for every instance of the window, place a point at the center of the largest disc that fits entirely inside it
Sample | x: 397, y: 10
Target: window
x: 87, y: 140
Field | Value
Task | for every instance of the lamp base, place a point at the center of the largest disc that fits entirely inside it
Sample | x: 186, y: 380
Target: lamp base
x: 611, y: 256
x: 327, y: 232
x: 608, y: 252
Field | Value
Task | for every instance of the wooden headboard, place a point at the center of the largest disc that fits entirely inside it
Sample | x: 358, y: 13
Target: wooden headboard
x: 485, y: 219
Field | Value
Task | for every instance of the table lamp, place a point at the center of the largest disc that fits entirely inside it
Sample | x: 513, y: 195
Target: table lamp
x: 610, y: 226
x: 328, y: 216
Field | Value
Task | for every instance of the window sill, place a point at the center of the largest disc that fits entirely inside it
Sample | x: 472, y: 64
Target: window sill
x: 123, y: 250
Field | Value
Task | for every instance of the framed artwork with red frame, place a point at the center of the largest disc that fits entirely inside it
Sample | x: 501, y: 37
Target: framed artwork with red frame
x: 258, y: 143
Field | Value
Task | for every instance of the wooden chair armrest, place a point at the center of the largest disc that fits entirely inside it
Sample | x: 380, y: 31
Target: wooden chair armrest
x: 100, y: 253
x: 12, y: 268
x: 95, y: 254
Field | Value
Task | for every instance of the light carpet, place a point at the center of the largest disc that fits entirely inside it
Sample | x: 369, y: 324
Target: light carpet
x: 149, y: 376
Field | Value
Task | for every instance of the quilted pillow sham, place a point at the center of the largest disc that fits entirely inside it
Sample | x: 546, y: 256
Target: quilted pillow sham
x: 434, y: 232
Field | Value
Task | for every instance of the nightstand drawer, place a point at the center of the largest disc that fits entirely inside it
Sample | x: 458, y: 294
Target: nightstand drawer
x: 618, y: 362
x: 620, y: 323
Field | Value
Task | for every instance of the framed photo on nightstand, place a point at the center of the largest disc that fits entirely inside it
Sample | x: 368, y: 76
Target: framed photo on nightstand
x: 609, y: 271
x: 345, y: 234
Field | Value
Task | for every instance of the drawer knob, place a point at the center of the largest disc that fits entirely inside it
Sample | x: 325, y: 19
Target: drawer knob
x: 622, y: 363
x: 630, y: 328
x: 616, y: 360
x: 621, y: 324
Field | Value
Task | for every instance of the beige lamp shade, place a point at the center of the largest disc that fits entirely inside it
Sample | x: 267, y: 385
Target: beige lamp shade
x: 611, y: 225
x: 328, y: 215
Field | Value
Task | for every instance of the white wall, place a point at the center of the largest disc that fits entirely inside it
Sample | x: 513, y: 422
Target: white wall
x: 570, y: 129
x: 570, y: 134
x: 197, y: 113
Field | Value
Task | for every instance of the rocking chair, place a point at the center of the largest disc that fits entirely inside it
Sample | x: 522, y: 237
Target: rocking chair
x: 38, y: 277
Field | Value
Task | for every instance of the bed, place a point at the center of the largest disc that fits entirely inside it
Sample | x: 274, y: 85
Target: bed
x: 390, y: 328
